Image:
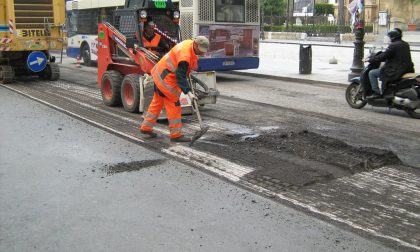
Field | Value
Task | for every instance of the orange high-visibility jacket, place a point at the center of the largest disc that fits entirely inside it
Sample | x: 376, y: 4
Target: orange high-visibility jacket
x: 164, y: 72
x: 153, y: 43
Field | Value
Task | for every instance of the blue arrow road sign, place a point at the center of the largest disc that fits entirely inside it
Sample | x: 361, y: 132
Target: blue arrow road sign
x: 36, y: 61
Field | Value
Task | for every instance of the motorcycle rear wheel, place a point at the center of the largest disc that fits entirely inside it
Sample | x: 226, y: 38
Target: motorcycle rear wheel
x: 354, y: 96
x: 414, y: 113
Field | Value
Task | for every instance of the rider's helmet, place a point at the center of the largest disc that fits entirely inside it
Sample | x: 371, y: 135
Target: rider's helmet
x: 395, y: 34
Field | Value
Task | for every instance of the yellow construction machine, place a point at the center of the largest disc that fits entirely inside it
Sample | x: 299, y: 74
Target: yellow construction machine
x: 29, y: 29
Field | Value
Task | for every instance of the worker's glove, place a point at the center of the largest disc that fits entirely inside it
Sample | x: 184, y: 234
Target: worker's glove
x: 192, y: 96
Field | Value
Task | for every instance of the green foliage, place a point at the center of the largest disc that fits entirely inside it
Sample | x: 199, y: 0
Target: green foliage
x: 324, y: 8
x: 274, y: 7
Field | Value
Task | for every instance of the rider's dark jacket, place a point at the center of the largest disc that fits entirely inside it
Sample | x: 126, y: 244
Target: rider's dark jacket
x: 397, y: 59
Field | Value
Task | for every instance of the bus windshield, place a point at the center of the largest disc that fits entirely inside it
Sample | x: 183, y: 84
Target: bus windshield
x: 71, y: 23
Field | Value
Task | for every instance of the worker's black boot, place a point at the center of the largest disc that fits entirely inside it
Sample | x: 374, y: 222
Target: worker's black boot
x: 181, y: 139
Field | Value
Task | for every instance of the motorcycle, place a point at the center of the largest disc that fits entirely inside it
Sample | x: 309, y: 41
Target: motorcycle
x: 402, y: 94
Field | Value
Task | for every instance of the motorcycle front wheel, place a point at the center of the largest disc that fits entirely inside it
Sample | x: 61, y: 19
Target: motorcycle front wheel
x: 354, y: 96
x: 414, y: 113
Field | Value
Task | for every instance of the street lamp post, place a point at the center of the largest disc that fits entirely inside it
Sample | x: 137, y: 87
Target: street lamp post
x: 357, y: 66
x: 262, y: 35
x: 288, y: 15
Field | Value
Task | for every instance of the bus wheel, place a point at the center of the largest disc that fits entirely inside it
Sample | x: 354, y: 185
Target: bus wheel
x: 85, y: 51
x: 110, y: 88
x: 6, y: 74
x: 130, y: 93
x: 51, y: 72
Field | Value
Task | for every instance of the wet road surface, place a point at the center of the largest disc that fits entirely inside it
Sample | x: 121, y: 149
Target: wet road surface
x: 322, y: 164
x: 68, y: 186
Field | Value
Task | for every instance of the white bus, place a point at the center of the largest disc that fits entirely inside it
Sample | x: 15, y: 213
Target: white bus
x: 232, y: 26
x: 83, y: 17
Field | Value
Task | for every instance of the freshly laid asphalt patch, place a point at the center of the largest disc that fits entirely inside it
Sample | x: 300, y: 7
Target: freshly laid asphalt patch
x: 132, y: 166
x: 278, y: 156
x: 312, y: 146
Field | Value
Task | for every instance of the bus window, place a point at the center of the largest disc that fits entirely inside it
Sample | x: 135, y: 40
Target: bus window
x: 88, y: 21
x: 135, y: 4
x: 230, y: 11
x: 71, y: 23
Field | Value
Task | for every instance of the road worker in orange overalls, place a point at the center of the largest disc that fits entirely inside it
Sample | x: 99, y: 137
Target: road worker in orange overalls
x: 170, y: 77
x: 151, y: 40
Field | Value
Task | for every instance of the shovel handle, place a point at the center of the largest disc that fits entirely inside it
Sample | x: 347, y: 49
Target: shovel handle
x: 197, y: 111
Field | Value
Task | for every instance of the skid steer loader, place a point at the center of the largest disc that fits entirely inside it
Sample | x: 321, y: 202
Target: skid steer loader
x: 124, y: 64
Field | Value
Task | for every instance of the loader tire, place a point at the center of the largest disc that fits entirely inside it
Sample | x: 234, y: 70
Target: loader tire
x: 51, y: 72
x: 6, y: 74
x: 130, y: 93
x: 111, y: 88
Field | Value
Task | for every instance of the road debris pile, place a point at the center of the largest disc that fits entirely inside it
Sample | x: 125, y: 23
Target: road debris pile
x: 279, y: 155
x: 312, y: 146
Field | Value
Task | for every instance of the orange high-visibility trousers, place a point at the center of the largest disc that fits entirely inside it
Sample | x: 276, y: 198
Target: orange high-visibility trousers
x: 173, y: 112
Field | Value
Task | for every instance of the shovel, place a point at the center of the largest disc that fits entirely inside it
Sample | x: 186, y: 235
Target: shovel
x: 203, y: 128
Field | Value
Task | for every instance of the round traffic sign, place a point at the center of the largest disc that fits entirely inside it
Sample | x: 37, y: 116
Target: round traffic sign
x: 36, y: 61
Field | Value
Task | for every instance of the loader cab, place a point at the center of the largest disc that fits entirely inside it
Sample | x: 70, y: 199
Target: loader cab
x: 131, y: 21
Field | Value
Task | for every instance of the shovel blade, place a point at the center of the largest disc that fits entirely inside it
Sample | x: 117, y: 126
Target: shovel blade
x: 199, y: 134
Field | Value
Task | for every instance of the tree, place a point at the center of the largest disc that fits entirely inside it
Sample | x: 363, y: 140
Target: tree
x: 341, y: 12
x: 272, y: 8
x: 340, y: 15
x: 413, y: 3
x: 324, y: 9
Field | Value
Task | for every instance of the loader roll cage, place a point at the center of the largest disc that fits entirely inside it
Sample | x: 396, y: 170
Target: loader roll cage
x: 130, y: 22
x: 124, y: 64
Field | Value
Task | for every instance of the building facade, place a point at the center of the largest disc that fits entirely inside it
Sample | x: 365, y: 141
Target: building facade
x: 398, y: 13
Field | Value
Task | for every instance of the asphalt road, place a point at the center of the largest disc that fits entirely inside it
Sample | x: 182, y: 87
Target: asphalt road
x: 298, y: 144
x: 68, y: 186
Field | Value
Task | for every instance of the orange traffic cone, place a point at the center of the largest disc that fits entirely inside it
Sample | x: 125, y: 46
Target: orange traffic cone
x: 78, y: 62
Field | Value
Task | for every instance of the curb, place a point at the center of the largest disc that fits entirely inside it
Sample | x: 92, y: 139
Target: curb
x: 306, y: 42
x: 290, y: 79
x: 414, y: 46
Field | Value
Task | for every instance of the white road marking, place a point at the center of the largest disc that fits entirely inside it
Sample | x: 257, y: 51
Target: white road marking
x: 209, y: 162
x: 76, y: 115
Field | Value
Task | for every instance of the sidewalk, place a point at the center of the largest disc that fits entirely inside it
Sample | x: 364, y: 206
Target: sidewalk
x: 280, y: 59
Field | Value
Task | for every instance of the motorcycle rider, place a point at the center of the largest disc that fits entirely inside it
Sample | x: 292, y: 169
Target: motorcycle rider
x: 397, y: 59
